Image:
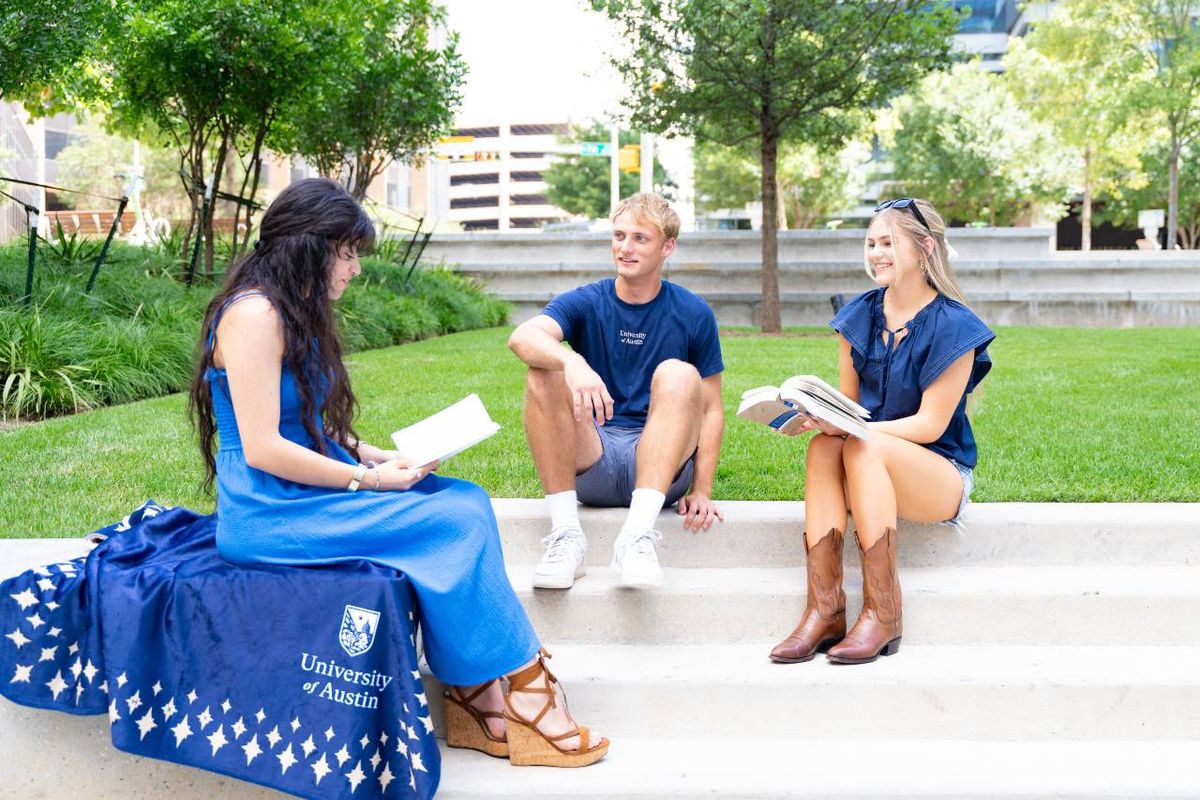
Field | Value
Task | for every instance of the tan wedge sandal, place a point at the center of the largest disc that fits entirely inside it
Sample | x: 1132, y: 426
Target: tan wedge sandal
x: 529, y: 747
x: 466, y: 726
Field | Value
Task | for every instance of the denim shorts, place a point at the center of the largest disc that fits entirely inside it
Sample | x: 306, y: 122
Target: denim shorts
x: 611, y: 480
x: 968, y: 479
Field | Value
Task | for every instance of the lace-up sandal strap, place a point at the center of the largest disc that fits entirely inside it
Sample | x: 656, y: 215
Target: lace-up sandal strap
x: 467, y: 699
x: 581, y: 731
x: 519, y: 680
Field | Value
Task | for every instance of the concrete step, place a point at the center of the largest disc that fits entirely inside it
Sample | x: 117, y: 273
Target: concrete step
x: 768, y: 769
x: 51, y: 751
x: 980, y: 693
x: 1066, y: 606
x: 761, y: 534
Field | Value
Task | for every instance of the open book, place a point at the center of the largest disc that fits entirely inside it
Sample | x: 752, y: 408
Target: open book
x: 799, y: 395
x: 446, y: 433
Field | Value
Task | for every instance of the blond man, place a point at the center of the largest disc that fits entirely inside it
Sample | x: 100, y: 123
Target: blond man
x: 631, y: 415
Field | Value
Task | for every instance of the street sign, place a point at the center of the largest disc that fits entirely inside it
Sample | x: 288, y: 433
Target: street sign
x: 595, y: 149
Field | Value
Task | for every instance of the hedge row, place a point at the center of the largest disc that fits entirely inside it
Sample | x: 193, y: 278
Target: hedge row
x: 134, y: 336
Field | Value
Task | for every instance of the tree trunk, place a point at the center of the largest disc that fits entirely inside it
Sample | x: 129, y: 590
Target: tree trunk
x: 1085, y: 242
x: 1173, y: 190
x: 771, y: 322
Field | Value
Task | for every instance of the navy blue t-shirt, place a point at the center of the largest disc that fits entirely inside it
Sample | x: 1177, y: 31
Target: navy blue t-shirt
x: 624, y: 343
x: 891, y: 379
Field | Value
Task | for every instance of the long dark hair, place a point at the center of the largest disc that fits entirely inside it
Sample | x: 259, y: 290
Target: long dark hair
x: 299, y: 235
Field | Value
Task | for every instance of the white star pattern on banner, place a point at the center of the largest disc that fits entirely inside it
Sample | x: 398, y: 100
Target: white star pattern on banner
x: 238, y: 728
x: 342, y: 756
x: 182, y: 731
x: 35, y: 621
x: 191, y: 696
x: 363, y: 742
x: 156, y: 688
x: 286, y: 759
x: 226, y: 706
x: 417, y: 763
x: 45, y: 584
x: 90, y: 671
x: 375, y: 759
x: 76, y: 667
x: 260, y: 716
x: 252, y: 749
x: 386, y: 776
x: 205, y: 718
x: 53, y: 606
x: 122, y: 679
x: 383, y: 737
x: 23, y: 674
x: 355, y: 776
x: 48, y: 653
x: 320, y: 769
x: 134, y: 702
x: 421, y: 698
x: 401, y: 747
x: 57, y: 684
x: 168, y: 710
x: 113, y: 713
x: 73, y: 648
x: 273, y: 737
x: 217, y: 739
x: 25, y: 599
x: 53, y: 632
x: 295, y: 724
x: 329, y: 734
x: 308, y: 746
x: 18, y: 638
x: 146, y: 723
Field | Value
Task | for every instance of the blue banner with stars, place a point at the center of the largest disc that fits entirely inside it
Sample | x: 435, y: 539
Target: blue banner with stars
x: 301, y: 679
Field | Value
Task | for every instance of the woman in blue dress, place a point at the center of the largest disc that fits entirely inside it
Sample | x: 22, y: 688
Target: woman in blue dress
x: 910, y: 353
x: 295, y: 486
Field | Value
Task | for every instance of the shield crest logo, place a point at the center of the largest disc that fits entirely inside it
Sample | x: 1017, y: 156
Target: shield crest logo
x: 358, y: 629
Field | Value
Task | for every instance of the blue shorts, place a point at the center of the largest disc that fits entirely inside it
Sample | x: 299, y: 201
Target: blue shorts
x: 968, y: 479
x: 611, y: 480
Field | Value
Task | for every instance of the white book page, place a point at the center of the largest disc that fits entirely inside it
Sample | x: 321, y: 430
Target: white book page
x: 446, y: 433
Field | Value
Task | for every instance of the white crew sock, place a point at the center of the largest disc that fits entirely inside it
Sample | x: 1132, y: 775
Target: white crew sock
x: 643, y: 512
x: 564, y: 510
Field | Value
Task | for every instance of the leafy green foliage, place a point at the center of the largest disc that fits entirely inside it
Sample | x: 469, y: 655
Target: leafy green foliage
x: 963, y: 142
x: 388, y: 94
x: 758, y: 74
x: 69, y: 248
x: 47, y: 47
x: 1125, y: 200
x: 582, y: 184
x: 135, y: 335
x: 813, y: 182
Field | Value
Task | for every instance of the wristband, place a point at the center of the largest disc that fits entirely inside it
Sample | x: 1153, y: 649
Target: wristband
x: 359, y: 472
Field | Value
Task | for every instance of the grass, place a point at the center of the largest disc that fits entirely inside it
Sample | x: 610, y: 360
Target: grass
x: 1067, y: 415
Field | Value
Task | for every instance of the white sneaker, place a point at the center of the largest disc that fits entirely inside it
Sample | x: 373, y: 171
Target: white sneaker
x: 562, y: 563
x: 635, y: 559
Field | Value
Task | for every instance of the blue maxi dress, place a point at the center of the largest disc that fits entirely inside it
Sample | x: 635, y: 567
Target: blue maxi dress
x: 441, y: 534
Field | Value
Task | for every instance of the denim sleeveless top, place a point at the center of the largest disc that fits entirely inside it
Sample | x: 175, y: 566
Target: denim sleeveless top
x: 893, y: 372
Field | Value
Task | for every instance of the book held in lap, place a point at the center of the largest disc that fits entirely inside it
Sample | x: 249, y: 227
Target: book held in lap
x: 446, y: 433
x: 785, y: 407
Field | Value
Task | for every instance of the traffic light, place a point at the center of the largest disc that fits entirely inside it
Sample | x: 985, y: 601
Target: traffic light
x: 486, y: 155
x: 629, y: 158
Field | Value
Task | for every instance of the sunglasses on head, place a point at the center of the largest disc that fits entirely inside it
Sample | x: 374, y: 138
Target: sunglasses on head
x: 905, y: 202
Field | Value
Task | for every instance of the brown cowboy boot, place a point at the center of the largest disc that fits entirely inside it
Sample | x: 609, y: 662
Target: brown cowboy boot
x: 824, y: 622
x: 878, y: 628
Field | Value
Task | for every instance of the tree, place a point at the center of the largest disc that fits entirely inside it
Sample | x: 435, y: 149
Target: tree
x: 813, y: 182
x: 582, y: 184
x: 1070, y: 75
x: 1123, y: 202
x: 213, y: 76
x: 1159, y: 44
x: 46, y: 48
x: 392, y: 93
x: 759, y: 73
x: 961, y: 141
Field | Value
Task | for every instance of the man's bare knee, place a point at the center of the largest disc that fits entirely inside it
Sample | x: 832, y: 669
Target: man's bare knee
x: 544, y: 384
x: 675, y: 378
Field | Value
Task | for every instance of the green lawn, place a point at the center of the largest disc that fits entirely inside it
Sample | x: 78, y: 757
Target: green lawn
x: 1067, y: 415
